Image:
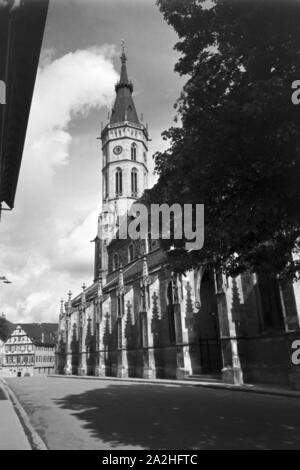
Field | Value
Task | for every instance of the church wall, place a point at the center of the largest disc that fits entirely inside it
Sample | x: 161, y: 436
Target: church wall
x: 156, y: 326
x: 114, y: 338
x: 192, y: 320
x: 168, y: 347
x: 136, y: 333
x: 296, y: 288
x: 130, y: 334
x: 264, y: 354
x: 90, y: 338
x: 105, y: 338
x: 265, y: 360
x: 121, y: 248
x: 74, y: 343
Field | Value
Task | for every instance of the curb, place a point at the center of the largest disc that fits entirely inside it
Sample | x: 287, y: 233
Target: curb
x: 33, y: 437
x: 189, y: 383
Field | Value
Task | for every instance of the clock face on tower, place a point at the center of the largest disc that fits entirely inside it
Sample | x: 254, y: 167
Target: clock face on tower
x: 117, y: 149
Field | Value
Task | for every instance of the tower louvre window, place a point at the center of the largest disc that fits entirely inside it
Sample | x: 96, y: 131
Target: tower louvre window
x: 134, y: 188
x: 133, y: 152
x: 118, y: 182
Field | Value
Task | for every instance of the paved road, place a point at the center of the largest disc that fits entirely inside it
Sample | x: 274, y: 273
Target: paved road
x: 85, y: 414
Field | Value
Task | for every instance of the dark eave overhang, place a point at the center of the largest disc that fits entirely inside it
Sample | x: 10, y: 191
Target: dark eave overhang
x: 21, y: 35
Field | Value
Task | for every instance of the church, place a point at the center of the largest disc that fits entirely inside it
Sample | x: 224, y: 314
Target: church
x: 140, y: 319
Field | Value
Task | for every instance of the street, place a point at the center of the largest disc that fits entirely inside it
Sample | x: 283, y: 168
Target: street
x: 83, y: 414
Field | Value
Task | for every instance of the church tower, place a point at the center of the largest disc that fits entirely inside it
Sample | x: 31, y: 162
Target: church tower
x: 124, y: 166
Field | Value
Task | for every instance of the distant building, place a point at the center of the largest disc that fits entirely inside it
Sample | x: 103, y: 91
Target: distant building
x: 30, y: 350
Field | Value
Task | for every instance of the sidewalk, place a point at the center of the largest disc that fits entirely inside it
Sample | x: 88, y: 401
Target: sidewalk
x: 191, y: 382
x: 12, y: 435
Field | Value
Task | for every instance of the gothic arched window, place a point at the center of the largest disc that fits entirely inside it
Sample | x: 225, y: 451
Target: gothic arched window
x: 130, y: 253
x: 133, y: 152
x: 118, y: 182
x: 134, y: 187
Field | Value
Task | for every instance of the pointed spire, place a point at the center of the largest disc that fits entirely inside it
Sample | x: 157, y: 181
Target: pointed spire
x: 123, y: 56
x: 68, y: 304
x: 124, y: 109
x: 99, y: 290
x: 146, y: 279
x: 83, y: 298
x: 124, y: 76
x: 61, y: 307
x: 121, y: 286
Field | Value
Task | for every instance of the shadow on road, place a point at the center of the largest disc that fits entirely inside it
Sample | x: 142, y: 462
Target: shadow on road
x: 160, y: 417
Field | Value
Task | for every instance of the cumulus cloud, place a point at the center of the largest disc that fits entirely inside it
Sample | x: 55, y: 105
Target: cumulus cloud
x: 45, y: 246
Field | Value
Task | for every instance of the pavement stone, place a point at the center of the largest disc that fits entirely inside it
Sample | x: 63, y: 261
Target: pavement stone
x: 12, y: 435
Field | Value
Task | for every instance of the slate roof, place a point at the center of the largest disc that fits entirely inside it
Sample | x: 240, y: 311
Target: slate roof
x: 41, y: 331
x: 132, y: 271
x: 124, y: 108
x: 155, y: 258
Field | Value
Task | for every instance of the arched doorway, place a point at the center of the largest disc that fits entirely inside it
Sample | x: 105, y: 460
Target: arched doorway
x: 271, y: 308
x: 169, y: 353
x: 208, y: 328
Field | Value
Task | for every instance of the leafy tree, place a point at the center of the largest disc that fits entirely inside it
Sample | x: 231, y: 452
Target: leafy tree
x: 6, y: 328
x: 237, y: 148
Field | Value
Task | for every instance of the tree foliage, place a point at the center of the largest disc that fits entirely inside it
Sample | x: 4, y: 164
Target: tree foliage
x: 6, y: 328
x: 237, y: 149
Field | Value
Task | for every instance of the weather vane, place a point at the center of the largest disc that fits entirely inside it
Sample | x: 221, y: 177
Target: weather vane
x: 123, y: 55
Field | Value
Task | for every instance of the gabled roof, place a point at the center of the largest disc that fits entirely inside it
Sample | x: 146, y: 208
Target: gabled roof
x: 124, y: 109
x: 41, y: 333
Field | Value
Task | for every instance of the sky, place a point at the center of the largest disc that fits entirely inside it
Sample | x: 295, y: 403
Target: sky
x: 45, y: 242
